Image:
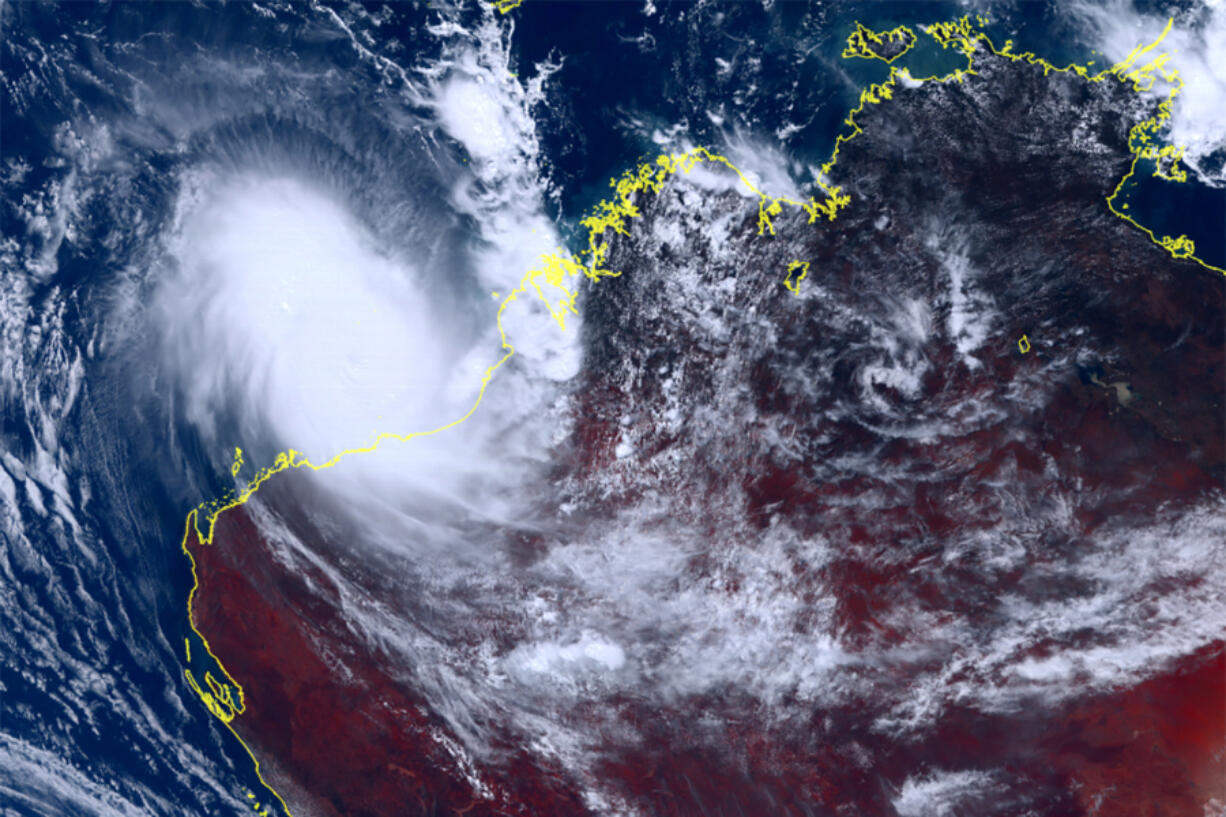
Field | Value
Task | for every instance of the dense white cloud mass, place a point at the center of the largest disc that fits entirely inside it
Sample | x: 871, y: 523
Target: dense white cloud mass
x: 283, y: 309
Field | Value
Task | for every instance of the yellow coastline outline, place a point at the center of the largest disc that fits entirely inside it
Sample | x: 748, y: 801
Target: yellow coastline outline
x: 552, y: 284
x: 225, y: 699
x: 793, y: 285
x: 861, y: 41
x: 962, y: 35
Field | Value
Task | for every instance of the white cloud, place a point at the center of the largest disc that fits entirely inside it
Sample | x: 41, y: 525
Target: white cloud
x: 281, y: 305
x: 941, y: 794
x: 1197, y: 45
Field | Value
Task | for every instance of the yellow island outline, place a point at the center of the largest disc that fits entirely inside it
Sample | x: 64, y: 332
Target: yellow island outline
x: 793, y: 284
x: 555, y: 282
x: 864, y: 42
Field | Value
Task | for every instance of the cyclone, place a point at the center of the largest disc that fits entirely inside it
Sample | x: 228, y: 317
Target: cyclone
x: 605, y: 409
x: 269, y: 269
